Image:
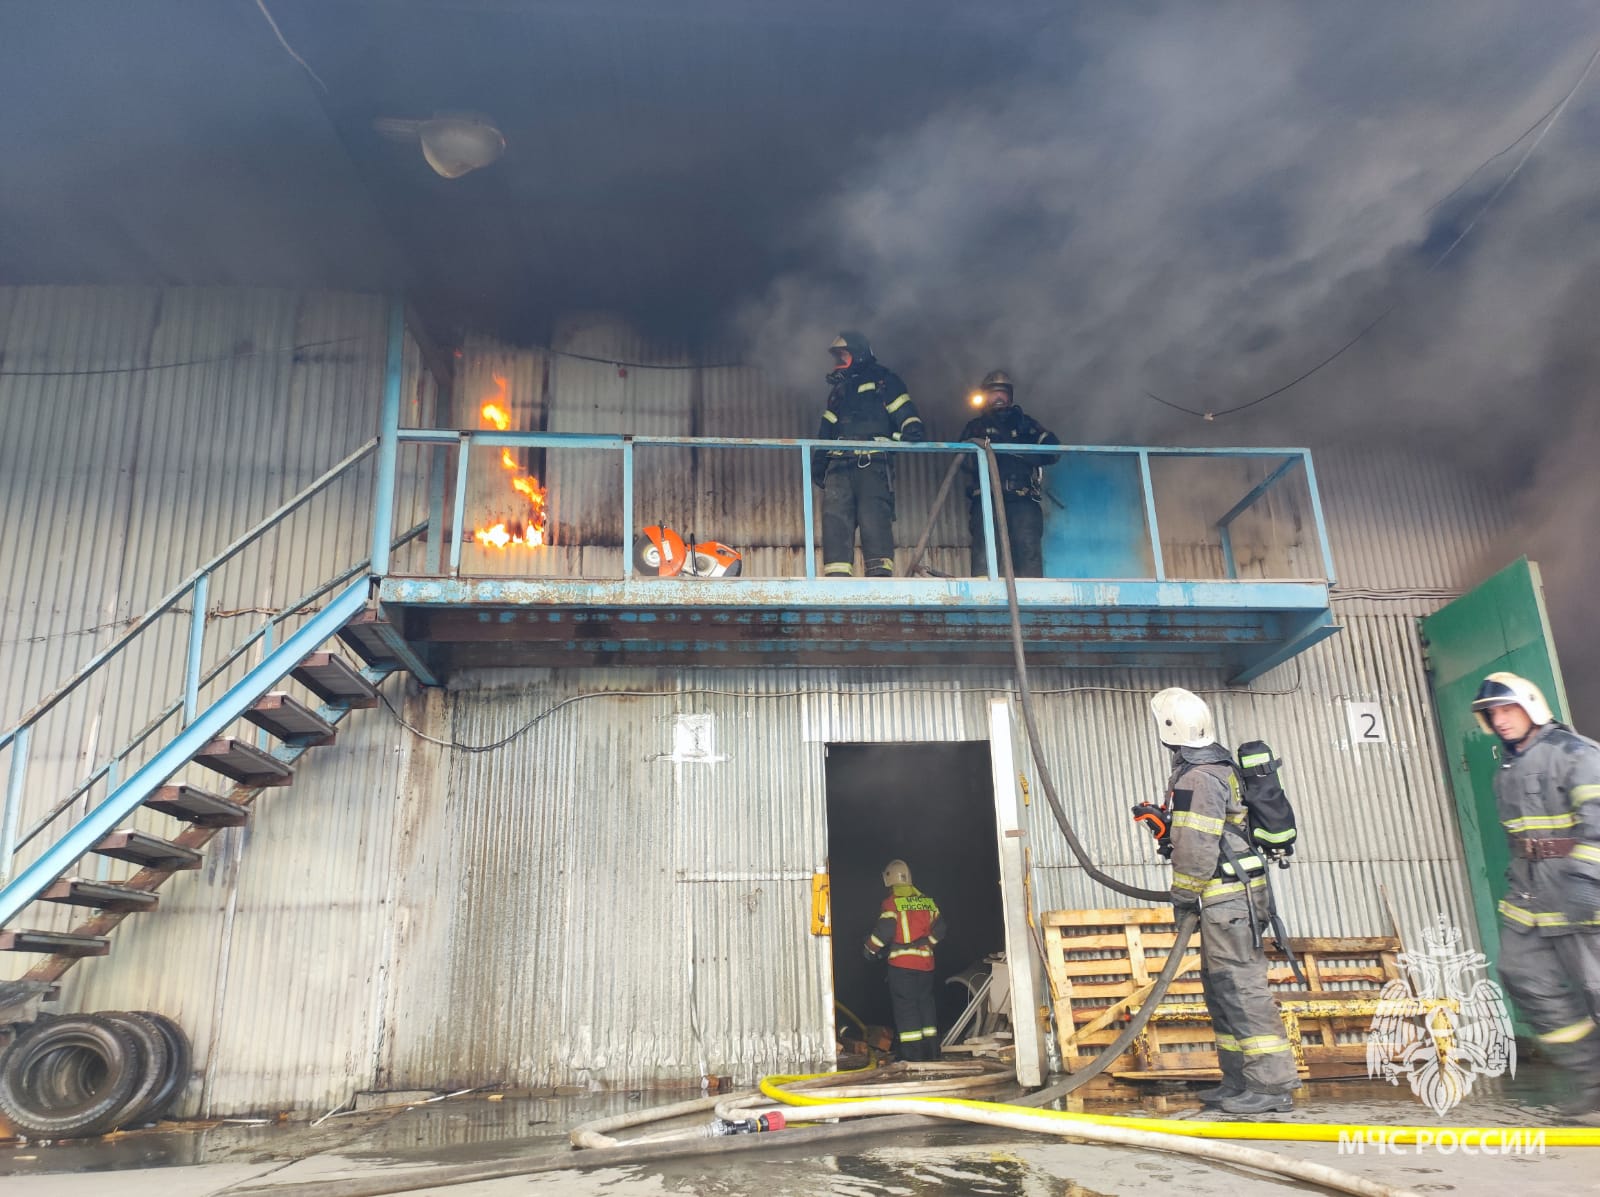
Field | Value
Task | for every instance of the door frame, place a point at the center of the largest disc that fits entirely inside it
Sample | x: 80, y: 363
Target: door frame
x: 1029, y: 1033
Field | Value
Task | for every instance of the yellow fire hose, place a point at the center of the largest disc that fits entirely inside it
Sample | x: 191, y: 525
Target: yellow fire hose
x: 774, y: 1087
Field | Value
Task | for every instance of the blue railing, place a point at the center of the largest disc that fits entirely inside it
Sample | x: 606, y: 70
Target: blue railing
x: 196, y: 674
x: 466, y: 442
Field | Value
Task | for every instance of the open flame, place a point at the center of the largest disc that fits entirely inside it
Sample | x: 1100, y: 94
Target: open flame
x: 529, y: 529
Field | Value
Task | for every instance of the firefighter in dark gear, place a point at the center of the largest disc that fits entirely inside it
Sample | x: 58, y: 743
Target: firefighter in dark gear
x: 1208, y: 827
x: 909, y: 926
x: 867, y: 403
x: 1002, y: 422
x: 1547, y: 791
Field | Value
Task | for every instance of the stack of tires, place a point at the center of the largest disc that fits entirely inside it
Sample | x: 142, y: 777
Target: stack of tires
x: 88, y: 1074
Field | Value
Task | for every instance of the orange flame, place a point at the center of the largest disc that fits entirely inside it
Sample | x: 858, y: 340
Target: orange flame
x: 529, y: 529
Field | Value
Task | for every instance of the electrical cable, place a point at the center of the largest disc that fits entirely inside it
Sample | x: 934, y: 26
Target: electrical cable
x: 196, y: 361
x: 459, y: 746
x: 284, y: 42
x: 1553, y: 116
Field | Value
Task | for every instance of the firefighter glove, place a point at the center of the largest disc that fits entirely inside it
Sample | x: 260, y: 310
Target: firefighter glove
x: 870, y: 953
x: 1580, y: 894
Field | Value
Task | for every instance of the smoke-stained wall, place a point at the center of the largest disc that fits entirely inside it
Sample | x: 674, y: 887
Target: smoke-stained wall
x: 142, y: 431
x: 619, y: 894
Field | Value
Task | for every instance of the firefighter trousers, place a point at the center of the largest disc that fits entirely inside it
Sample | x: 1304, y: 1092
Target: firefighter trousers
x: 856, y: 495
x: 1252, y: 1050
x: 1555, y: 982
x: 1025, y: 519
x: 915, y: 1019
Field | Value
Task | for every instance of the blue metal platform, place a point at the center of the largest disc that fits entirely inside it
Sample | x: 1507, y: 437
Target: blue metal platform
x: 1242, y: 628
x: 1237, y: 625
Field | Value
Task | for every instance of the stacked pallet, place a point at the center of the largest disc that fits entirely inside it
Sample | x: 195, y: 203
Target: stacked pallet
x: 1103, y: 963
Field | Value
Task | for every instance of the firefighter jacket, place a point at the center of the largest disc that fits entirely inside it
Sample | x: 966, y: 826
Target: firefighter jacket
x: 909, y: 926
x: 1548, y: 798
x: 1206, y: 804
x: 867, y: 403
x: 1021, y: 474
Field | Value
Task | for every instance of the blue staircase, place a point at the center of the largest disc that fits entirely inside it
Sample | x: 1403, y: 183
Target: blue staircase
x: 338, y: 653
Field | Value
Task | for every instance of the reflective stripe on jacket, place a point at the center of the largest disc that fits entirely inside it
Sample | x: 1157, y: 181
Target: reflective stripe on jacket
x: 1550, y: 791
x: 909, y: 925
x: 1207, y: 803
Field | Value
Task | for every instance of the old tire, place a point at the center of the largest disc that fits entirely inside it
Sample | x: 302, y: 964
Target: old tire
x: 154, y: 1060
x: 69, y: 1078
x: 180, y: 1059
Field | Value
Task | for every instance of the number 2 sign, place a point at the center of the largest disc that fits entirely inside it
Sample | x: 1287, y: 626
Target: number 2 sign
x: 1366, y: 722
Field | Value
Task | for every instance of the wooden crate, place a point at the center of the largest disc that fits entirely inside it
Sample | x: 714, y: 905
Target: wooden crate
x: 1103, y: 963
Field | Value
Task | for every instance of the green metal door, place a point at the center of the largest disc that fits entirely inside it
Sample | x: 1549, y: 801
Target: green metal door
x: 1500, y: 625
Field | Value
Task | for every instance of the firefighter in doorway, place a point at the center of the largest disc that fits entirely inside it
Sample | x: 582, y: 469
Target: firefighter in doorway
x: 867, y: 403
x: 1002, y: 422
x: 909, y: 926
x: 1210, y: 851
x: 1547, y: 790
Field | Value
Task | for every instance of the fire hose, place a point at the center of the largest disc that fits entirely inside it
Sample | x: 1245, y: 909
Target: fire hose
x: 1199, y: 1139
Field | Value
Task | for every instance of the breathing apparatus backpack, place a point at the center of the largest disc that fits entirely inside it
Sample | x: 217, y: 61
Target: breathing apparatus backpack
x: 1269, y: 816
x: 1268, y: 812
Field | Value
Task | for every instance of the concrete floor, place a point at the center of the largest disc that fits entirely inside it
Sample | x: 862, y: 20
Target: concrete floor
x: 208, y: 1161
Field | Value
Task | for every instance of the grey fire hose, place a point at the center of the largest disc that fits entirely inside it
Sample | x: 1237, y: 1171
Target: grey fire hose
x: 1186, y: 925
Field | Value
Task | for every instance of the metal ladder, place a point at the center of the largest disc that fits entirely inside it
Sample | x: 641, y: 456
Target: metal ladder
x: 336, y: 685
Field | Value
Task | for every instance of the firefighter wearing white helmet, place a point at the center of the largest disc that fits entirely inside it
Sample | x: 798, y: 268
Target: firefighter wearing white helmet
x: 908, y: 927
x: 1002, y: 422
x: 1547, y: 792
x: 1204, y: 805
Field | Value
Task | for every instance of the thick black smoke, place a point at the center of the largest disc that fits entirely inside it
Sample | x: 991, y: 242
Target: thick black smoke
x: 1206, y: 200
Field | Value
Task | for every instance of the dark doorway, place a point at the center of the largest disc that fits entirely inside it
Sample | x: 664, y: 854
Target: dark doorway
x: 931, y: 805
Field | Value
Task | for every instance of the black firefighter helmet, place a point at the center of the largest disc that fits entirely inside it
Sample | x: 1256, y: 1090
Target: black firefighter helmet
x: 850, y: 349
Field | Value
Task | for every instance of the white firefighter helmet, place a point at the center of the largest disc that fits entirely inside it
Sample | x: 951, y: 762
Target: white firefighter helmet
x: 1507, y: 689
x: 1183, y: 719
x: 897, y: 872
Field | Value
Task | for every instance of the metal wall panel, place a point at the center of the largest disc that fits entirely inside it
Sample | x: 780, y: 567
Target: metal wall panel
x: 618, y: 895
x: 141, y: 431
x: 1409, y: 530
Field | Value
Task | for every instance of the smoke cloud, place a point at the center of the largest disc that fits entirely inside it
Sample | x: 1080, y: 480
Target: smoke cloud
x: 1205, y: 201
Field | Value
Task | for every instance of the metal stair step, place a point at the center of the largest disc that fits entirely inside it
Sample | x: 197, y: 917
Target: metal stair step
x: 290, y: 720
x: 54, y: 943
x: 102, y: 895
x: 140, y: 848
x: 334, y: 680
x: 244, y: 762
x: 197, y: 806
x: 367, y: 635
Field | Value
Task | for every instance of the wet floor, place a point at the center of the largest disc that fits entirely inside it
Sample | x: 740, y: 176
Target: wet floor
x: 209, y: 1160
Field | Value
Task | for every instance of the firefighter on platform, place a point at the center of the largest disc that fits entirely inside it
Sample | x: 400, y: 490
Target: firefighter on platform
x: 1002, y: 422
x: 867, y: 403
x: 909, y: 926
x: 1547, y: 791
x: 1215, y: 872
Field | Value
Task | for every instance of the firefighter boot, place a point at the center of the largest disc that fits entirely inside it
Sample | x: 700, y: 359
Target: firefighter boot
x: 1218, y: 1093
x: 1250, y: 1103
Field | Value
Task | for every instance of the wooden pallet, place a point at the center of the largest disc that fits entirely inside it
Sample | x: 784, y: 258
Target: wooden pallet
x: 1103, y: 963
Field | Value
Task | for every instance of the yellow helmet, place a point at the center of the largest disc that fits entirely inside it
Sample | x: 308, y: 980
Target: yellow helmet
x: 897, y: 872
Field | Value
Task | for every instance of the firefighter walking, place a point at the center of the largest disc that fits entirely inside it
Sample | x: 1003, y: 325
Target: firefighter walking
x: 1547, y: 791
x: 866, y: 403
x: 1216, y: 872
x: 1002, y: 422
x: 909, y: 926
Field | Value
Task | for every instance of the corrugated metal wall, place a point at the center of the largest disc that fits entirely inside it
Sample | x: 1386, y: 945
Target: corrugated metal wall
x: 619, y: 894
x: 143, y: 430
